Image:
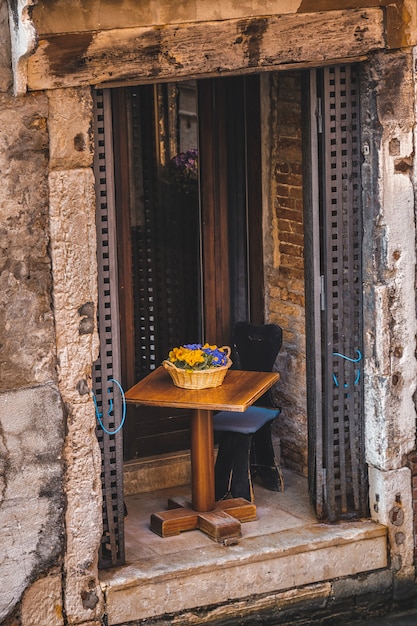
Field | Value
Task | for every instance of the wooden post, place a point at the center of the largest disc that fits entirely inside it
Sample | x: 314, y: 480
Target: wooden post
x: 202, y: 460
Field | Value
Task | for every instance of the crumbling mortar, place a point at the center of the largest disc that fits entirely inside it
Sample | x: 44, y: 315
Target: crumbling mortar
x: 43, y: 562
x: 64, y: 517
x: 63, y: 586
x: 14, y: 618
x: 4, y: 466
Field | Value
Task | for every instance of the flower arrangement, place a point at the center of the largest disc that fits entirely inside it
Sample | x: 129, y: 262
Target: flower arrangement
x: 197, y: 366
x: 186, y: 163
x: 195, y: 356
x: 181, y: 174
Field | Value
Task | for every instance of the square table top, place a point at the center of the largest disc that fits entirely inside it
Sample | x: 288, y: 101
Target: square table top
x: 240, y: 389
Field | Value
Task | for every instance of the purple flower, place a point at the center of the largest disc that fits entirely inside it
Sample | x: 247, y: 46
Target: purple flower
x: 187, y: 163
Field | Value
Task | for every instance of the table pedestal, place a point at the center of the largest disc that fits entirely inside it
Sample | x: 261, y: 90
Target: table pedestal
x: 219, y: 520
x: 202, y: 460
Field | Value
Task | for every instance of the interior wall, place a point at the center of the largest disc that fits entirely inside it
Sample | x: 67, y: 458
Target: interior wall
x: 283, y: 256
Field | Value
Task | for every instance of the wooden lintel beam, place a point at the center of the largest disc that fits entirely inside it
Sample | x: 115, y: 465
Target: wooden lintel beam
x: 151, y: 54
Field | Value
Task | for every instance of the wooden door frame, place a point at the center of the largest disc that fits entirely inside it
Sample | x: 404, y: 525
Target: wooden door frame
x: 214, y: 200
x: 254, y: 200
x: 124, y: 252
x: 214, y: 213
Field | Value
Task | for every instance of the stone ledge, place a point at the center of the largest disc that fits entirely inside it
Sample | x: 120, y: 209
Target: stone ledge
x: 258, y: 565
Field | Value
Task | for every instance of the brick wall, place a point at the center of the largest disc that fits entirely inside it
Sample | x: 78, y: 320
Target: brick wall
x: 286, y: 275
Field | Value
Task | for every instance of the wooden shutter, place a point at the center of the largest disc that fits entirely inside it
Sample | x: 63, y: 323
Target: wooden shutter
x: 107, y: 367
x: 334, y: 297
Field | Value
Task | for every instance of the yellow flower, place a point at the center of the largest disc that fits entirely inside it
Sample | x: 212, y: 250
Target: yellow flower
x: 207, y: 345
x: 193, y: 357
x: 190, y: 357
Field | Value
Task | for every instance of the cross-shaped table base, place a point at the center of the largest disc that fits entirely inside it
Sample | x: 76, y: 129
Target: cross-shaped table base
x: 222, y: 524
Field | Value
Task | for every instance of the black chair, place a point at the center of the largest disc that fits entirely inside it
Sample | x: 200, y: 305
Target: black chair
x: 245, y: 443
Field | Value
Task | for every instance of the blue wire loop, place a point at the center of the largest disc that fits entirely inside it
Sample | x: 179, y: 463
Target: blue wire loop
x: 348, y: 358
x: 110, y: 411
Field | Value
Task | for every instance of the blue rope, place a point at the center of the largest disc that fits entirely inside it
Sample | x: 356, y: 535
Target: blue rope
x: 348, y: 357
x: 358, y: 373
x: 110, y: 411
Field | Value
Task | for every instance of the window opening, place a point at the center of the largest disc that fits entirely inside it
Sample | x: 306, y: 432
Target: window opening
x: 134, y: 193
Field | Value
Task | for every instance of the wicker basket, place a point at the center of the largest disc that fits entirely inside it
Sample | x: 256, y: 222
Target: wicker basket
x: 198, y: 379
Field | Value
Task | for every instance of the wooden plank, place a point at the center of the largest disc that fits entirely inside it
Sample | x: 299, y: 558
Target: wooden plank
x: 214, y: 211
x: 124, y: 281
x: 158, y: 53
x: 211, y: 203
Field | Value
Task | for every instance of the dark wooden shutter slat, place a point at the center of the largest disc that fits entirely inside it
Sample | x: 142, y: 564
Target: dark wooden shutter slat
x: 338, y: 482
x: 342, y: 232
x: 107, y: 367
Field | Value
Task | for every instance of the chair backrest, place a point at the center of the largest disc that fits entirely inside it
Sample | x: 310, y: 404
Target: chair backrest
x: 257, y: 346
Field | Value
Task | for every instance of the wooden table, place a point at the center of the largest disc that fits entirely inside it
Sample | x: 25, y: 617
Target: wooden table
x: 220, y: 520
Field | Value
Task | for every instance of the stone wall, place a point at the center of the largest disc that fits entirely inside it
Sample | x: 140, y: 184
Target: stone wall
x: 50, y: 491
x: 285, y: 265
x: 388, y: 176
x: 31, y: 412
x: 74, y: 265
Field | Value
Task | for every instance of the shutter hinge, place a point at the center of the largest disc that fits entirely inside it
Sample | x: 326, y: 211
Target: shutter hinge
x: 319, y: 115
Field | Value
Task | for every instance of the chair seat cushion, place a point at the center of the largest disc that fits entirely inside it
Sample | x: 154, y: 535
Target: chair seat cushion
x: 247, y: 423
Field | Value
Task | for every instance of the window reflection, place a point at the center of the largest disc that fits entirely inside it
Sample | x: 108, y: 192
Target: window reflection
x: 164, y: 223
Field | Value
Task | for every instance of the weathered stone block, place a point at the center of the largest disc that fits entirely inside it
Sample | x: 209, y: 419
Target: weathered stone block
x: 390, y: 497
x: 42, y: 602
x: 73, y: 251
x: 27, y: 342
x: 71, y: 136
x: 31, y: 491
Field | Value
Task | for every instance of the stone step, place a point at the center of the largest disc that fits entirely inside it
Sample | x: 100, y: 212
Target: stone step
x: 215, y: 574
